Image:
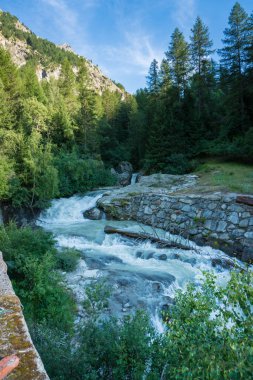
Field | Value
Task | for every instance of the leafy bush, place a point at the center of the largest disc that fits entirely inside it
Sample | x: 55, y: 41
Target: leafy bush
x: 209, y: 336
x: 67, y: 259
x: 30, y: 256
x: 78, y: 175
x: 179, y: 164
x: 97, y: 298
x: 210, y: 331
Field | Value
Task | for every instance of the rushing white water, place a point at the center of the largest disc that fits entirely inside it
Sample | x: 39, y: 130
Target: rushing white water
x: 134, y: 178
x: 140, y: 275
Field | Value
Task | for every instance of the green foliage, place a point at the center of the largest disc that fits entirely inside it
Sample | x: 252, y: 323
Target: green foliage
x: 179, y: 164
x: 153, y: 77
x: 77, y: 175
x: 208, y: 336
x: 97, y: 295
x: 210, y: 331
x: 30, y: 256
x: 6, y: 172
x: 67, y: 259
x: 48, y: 51
x: 178, y: 55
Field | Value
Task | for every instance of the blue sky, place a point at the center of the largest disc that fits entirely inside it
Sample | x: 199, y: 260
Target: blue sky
x: 121, y: 36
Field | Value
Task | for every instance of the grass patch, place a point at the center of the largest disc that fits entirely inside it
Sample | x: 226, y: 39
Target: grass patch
x: 229, y: 176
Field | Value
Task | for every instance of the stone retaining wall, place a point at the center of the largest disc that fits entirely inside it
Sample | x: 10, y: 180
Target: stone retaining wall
x: 14, y: 334
x: 216, y: 219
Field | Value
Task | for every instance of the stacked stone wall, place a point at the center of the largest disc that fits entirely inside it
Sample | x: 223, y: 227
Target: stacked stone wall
x: 216, y: 219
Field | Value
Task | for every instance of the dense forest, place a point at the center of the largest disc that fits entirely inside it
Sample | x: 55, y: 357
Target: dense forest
x: 62, y: 134
x: 59, y: 137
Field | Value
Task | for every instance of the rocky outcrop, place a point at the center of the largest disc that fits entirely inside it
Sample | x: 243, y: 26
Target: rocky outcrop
x: 14, y: 335
x: 20, y: 52
x: 123, y: 173
x: 93, y: 214
x: 18, y: 49
x: 206, y: 218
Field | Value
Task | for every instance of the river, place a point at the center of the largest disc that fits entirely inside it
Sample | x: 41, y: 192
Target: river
x: 140, y: 275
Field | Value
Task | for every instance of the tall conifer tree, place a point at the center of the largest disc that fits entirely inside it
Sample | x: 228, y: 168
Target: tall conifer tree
x: 179, y: 59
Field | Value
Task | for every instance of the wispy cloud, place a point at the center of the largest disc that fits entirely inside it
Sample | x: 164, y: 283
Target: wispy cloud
x: 64, y: 16
x: 134, y: 55
x: 136, y: 49
x: 184, y: 13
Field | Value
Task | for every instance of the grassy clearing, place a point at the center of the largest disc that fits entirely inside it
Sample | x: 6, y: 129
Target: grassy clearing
x: 228, y: 176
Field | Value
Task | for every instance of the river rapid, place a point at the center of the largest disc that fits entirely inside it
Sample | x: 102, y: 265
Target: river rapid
x: 139, y: 274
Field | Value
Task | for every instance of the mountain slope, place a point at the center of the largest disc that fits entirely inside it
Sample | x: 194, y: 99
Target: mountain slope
x: 24, y: 45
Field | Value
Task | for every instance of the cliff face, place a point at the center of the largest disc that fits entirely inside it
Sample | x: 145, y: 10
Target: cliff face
x: 18, y: 49
x: 21, y: 51
x: 14, y: 335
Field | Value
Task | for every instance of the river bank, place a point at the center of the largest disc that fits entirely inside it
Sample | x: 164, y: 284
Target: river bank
x: 179, y: 205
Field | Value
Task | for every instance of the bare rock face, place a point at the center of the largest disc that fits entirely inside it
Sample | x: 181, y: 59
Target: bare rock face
x: 20, y: 52
x: 123, y: 172
x: 18, y: 49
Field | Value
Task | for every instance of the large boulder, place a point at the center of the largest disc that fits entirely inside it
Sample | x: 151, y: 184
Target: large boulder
x: 123, y: 172
x: 93, y: 214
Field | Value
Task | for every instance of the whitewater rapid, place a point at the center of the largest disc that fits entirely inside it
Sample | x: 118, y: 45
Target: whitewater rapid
x: 140, y: 275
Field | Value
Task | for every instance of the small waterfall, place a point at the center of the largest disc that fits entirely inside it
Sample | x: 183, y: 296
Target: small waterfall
x: 69, y: 210
x: 134, y: 178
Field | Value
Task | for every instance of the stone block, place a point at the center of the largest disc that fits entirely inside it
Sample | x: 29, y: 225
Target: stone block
x: 222, y: 226
x: 211, y: 225
x: 148, y: 210
x: 212, y: 206
x: 249, y: 235
x: 233, y: 218
x: 244, y: 223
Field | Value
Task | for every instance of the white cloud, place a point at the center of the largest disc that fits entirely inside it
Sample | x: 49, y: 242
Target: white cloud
x: 184, y: 13
x: 134, y: 54
x: 64, y: 16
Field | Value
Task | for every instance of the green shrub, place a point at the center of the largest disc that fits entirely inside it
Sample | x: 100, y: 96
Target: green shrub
x: 31, y: 258
x: 210, y: 331
x: 67, y: 259
x: 179, y: 164
x: 209, y: 336
x: 78, y: 175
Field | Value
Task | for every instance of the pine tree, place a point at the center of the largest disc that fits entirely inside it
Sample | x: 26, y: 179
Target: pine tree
x: 179, y: 59
x: 200, y: 46
x: 201, y: 49
x: 30, y: 84
x: 67, y: 81
x: 250, y: 45
x: 153, y: 78
x: 234, y: 60
x: 87, y: 119
x: 164, y: 76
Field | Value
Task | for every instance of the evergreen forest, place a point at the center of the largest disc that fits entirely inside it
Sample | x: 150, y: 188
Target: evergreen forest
x: 60, y: 132
x: 59, y: 137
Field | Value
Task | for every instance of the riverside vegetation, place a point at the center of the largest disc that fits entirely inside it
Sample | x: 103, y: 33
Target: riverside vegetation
x: 58, y: 137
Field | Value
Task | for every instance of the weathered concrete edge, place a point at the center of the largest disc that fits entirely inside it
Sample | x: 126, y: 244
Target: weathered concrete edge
x: 14, y: 335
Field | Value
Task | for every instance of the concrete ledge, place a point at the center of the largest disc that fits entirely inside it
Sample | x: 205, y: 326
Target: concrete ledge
x: 14, y: 334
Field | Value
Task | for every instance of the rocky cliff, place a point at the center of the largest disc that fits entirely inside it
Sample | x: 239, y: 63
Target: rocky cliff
x: 14, y: 36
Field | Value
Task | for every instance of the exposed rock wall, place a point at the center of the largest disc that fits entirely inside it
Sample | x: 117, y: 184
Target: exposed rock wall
x: 20, y: 52
x: 14, y: 335
x: 216, y: 219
